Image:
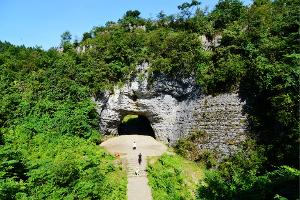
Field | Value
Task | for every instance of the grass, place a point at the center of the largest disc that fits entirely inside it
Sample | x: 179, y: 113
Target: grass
x: 173, y: 177
x: 129, y: 117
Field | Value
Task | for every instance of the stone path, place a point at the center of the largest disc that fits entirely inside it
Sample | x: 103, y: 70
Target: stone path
x: 137, y: 188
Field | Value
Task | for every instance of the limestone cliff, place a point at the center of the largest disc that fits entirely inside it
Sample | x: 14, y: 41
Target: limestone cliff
x: 175, y: 108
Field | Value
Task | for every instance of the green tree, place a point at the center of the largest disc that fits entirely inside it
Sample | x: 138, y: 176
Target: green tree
x: 66, y: 40
x: 226, y: 12
x: 86, y: 36
x: 131, y: 18
x: 186, y: 8
x: 132, y: 14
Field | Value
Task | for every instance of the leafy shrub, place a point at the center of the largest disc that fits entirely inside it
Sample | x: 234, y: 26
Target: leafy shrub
x: 64, y: 167
x: 282, y: 183
x: 172, y: 177
x: 242, y: 177
x: 188, y: 148
x: 12, y: 173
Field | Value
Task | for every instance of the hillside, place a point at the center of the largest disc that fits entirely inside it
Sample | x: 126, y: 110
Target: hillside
x: 49, y: 126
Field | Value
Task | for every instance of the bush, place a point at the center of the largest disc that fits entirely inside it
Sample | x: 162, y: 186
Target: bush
x: 241, y: 177
x: 172, y: 177
x: 64, y: 167
x: 188, y: 148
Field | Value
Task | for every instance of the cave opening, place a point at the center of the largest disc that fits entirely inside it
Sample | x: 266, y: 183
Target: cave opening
x: 135, y: 125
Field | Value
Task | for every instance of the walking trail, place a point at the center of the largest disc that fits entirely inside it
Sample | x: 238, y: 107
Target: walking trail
x: 137, y: 188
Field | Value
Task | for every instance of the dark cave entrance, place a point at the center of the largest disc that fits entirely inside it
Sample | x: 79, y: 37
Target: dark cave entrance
x: 135, y: 125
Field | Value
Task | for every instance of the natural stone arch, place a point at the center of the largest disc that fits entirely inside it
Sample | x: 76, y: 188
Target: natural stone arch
x: 135, y: 124
x: 159, y: 111
x: 175, y: 108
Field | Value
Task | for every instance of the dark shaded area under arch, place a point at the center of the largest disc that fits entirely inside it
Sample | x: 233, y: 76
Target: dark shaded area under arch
x: 136, y: 126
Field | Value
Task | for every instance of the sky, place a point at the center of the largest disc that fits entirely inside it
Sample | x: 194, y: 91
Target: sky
x: 41, y: 22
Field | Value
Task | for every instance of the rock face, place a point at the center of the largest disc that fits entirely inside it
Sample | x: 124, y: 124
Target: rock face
x: 175, y: 108
x: 210, y: 43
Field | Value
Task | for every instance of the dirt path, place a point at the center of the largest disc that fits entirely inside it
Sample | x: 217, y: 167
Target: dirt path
x: 138, y: 188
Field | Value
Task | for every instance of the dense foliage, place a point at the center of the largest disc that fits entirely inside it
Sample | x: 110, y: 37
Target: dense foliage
x: 173, y: 177
x: 259, y: 57
x: 243, y: 176
x: 244, y: 183
x: 49, y: 131
x: 188, y: 148
x: 48, y: 123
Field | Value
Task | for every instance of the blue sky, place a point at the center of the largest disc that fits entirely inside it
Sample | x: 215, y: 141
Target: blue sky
x: 41, y: 22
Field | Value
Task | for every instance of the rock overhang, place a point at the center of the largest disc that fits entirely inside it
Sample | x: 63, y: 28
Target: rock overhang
x: 175, y: 108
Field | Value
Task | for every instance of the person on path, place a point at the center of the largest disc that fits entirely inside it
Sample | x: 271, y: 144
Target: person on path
x: 134, y: 145
x: 168, y: 141
x: 140, y: 158
x: 137, y: 171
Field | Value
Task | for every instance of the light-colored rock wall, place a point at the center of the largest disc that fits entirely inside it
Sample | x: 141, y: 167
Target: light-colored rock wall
x: 175, y: 109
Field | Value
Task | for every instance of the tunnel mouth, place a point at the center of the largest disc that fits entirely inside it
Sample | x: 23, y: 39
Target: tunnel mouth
x: 133, y: 124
